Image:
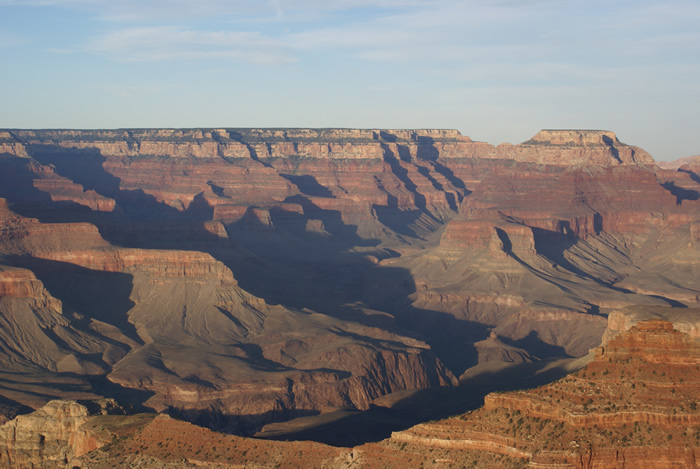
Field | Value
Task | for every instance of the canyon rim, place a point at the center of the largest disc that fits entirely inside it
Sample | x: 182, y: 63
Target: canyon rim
x: 241, y: 279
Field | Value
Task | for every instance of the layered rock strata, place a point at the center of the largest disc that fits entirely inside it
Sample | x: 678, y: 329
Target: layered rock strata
x: 176, y: 325
x: 50, y: 437
x: 633, y: 405
x: 329, y: 266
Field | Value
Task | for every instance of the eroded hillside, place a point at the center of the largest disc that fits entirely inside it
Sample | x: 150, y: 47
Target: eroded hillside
x: 634, y: 404
x: 237, y: 277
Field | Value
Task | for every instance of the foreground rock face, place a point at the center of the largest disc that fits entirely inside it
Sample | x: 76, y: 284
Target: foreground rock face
x: 50, y: 437
x: 683, y: 320
x: 241, y: 276
x: 633, y: 405
x: 163, y: 442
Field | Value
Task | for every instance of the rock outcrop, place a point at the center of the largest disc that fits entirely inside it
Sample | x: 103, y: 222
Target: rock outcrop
x: 271, y: 273
x: 175, y: 319
x: 50, y: 437
x: 679, y: 163
x: 575, y: 147
x: 633, y: 405
x: 149, y: 441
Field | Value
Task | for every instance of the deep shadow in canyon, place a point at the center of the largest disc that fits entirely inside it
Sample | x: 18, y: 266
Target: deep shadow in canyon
x: 95, y: 294
x: 347, y: 428
x: 282, y: 262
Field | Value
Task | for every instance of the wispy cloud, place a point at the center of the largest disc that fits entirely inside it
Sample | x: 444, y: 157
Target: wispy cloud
x: 12, y: 40
x: 127, y: 91
x: 433, y: 32
x: 489, y: 34
x: 399, y: 31
x: 490, y: 37
x: 60, y: 50
x: 140, y: 10
x: 173, y: 43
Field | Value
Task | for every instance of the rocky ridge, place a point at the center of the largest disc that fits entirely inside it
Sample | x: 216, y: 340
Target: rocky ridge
x: 50, y: 437
x: 634, y: 404
x: 331, y: 265
x: 676, y: 164
x: 185, y: 296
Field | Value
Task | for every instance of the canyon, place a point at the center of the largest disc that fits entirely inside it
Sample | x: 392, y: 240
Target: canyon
x: 235, y: 278
x: 631, y: 403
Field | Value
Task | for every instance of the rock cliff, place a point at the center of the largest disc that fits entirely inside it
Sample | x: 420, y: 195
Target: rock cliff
x: 633, y: 405
x: 272, y: 273
x: 176, y: 325
x: 50, y: 437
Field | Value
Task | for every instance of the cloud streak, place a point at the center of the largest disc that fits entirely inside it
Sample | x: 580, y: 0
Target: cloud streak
x: 158, y: 10
x: 12, y: 40
x: 172, y: 43
x: 396, y: 31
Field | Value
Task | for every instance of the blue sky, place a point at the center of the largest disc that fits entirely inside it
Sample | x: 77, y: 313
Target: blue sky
x: 498, y: 71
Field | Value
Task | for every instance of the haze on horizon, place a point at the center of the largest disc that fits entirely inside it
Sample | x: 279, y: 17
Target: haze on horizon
x: 496, y: 70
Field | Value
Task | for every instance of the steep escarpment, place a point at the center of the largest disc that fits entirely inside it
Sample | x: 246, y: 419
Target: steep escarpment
x: 407, y: 169
x: 176, y: 326
x: 537, y: 249
x: 241, y: 276
x: 633, y: 405
x: 50, y: 437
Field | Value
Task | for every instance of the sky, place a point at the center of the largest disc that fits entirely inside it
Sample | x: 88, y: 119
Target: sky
x: 498, y: 71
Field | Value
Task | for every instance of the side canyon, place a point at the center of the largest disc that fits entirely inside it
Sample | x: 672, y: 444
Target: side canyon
x: 235, y: 278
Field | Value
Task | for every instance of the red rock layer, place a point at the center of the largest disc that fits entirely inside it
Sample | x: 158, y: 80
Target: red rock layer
x: 177, y: 306
x: 634, y: 405
x: 187, y: 161
x: 51, y: 436
x: 560, y: 425
x: 580, y: 202
x: 540, y: 241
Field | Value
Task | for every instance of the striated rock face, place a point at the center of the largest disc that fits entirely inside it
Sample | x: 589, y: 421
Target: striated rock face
x: 240, y: 276
x: 186, y: 309
x: 22, y: 283
x: 407, y: 163
x: 633, y: 405
x: 183, y: 321
x: 50, y: 437
x: 571, y: 147
x: 683, y: 320
x: 531, y: 242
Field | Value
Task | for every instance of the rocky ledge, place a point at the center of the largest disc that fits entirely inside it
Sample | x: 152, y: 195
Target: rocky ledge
x: 633, y: 405
x: 556, y: 147
x: 50, y: 437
